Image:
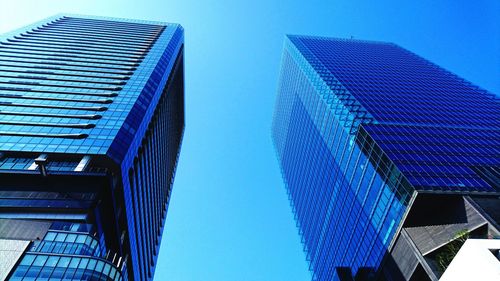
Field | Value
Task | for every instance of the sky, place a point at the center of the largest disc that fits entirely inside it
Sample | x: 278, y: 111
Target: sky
x: 229, y: 217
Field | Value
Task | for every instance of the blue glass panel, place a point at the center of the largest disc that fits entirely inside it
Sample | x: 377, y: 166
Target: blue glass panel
x: 353, y: 149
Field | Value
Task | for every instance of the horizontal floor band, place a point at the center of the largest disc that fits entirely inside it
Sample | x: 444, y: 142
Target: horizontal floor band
x: 87, y: 108
x: 60, y: 50
x: 45, y: 78
x: 71, y: 55
x: 97, y: 94
x: 37, y: 114
x: 77, y: 45
x: 51, y: 47
x: 60, y: 57
x: 50, y: 98
x: 86, y: 39
x: 115, y: 77
x: 21, y: 82
x: 31, y: 62
x: 79, y: 42
x: 56, y: 125
x: 40, y: 30
x: 43, y: 135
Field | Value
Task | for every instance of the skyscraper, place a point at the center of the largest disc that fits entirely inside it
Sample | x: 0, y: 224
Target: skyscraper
x: 91, y: 123
x: 386, y: 158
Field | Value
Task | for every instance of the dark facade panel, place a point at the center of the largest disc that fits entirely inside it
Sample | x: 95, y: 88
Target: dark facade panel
x: 23, y: 229
x: 402, y: 262
x: 435, y: 229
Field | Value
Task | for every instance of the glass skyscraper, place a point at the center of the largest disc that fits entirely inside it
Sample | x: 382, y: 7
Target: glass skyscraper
x: 385, y: 157
x: 91, y: 123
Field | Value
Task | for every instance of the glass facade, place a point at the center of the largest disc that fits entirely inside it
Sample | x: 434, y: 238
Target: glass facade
x: 91, y: 123
x: 69, y: 254
x: 360, y: 128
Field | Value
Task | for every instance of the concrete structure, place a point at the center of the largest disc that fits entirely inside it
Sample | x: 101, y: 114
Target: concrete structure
x: 478, y: 259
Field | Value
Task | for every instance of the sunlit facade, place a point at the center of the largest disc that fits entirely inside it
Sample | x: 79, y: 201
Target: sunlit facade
x: 91, y: 124
x: 366, y: 134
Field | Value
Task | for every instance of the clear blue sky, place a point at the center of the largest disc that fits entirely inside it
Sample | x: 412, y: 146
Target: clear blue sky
x: 229, y: 216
